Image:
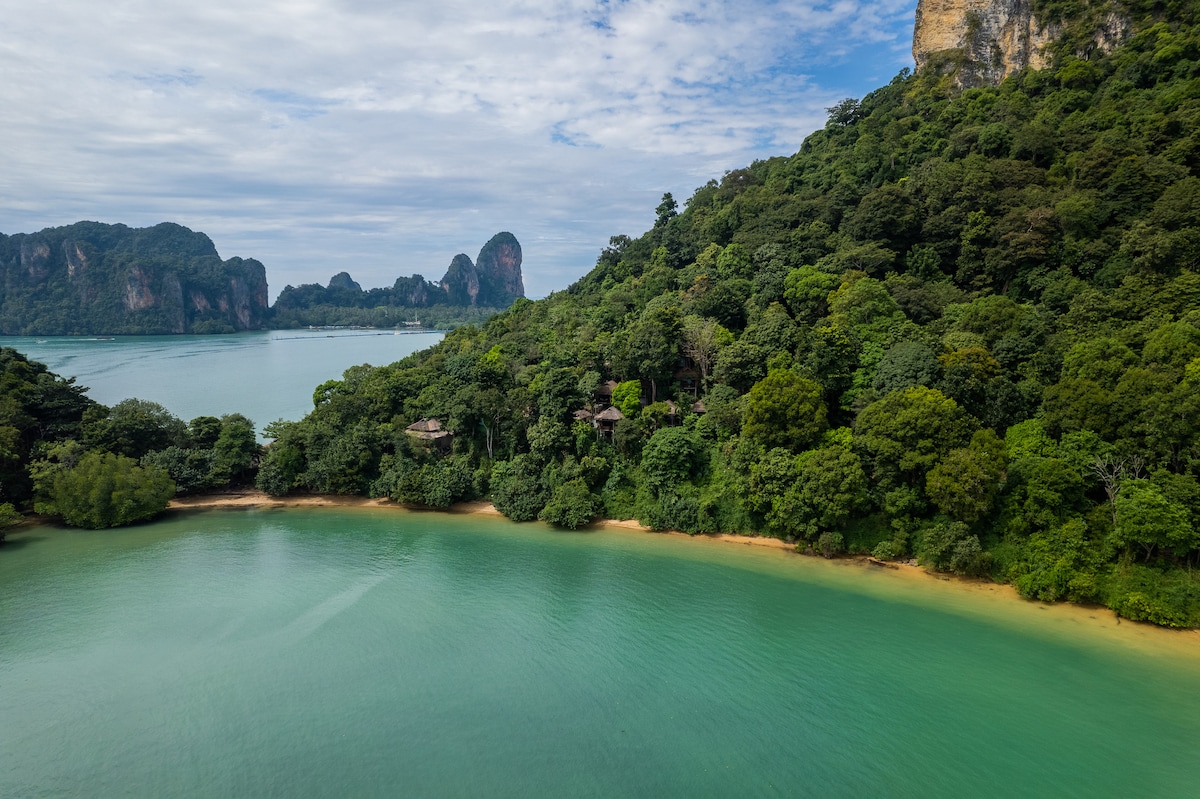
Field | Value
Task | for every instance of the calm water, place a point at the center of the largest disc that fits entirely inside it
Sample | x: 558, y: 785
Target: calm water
x: 379, y: 653
x: 265, y: 375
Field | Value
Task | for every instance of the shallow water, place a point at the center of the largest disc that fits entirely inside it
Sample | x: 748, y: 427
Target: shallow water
x: 335, y: 652
x: 263, y: 375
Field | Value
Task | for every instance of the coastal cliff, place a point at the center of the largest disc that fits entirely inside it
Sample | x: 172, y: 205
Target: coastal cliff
x: 92, y: 278
x: 984, y: 41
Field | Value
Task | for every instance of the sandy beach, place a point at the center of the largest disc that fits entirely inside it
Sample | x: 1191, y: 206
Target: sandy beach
x: 257, y: 499
x: 997, y: 592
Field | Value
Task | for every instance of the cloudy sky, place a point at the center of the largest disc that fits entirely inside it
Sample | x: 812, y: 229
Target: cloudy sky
x: 381, y: 137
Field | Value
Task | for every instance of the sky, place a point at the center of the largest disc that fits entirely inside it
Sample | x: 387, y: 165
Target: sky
x: 382, y: 137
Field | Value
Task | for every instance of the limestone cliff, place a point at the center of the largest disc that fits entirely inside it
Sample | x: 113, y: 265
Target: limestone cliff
x: 92, y: 278
x: 499, y: 265
x: 985, y: 41
x: 493, y: 281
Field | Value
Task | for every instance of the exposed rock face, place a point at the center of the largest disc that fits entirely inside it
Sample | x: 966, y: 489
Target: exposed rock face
x: 499, y: 265
x: 91, y: 278
x: 988, y: 40
x: 461, y: 282
x: 493, y: 281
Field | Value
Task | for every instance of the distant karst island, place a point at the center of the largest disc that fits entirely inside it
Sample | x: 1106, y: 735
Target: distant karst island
x: 91, y: 278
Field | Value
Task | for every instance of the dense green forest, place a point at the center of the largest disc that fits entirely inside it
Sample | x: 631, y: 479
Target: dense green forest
x: 956, y: 326
x: 64, y: 455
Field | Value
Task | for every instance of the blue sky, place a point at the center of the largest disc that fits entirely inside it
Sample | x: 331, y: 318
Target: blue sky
x: 382, y: 137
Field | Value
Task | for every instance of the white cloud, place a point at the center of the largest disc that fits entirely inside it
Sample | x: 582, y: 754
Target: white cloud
x: 383, y: 137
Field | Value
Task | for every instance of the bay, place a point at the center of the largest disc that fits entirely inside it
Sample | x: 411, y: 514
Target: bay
x: 263, y: 375
x: 348, y: 652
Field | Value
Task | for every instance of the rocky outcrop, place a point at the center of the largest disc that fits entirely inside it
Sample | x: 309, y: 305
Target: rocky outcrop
x: 92, y: 278
x: 499, y: 266
x: 985, y: 41
x: 461, y: 281
x: 493, y: 281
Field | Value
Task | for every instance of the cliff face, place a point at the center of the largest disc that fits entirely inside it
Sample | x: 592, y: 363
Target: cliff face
x: 461, y: 282
x: 499, y: 265
x: 91, y: 278
x: 493, y: 281
x: 985, y: 41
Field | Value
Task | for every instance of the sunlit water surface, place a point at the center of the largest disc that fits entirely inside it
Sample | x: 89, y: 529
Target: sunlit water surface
x: 339, y: 653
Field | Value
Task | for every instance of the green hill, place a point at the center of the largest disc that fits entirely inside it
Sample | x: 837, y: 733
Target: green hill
x: 91, y: 278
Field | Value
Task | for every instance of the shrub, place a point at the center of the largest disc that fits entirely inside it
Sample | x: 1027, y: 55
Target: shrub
x: 108, y: 490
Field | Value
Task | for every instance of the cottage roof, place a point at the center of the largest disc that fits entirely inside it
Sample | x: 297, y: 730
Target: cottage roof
x: 609, y: 415
x: 425, y: 426
x: 698, y: 407
x: 605, y: 389
x: 583, y: 415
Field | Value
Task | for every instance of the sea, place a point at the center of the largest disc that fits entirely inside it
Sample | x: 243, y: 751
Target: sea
x: 263, y: 375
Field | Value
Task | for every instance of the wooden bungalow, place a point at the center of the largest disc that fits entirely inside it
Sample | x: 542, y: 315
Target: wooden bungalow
x: 604, y: 392
x: 606, y: 420
x: 687, y: 376
x: 429, y: 433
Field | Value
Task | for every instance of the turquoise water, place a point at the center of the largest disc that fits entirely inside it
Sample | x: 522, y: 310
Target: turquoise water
x: 264, y: 375
x: 320, y: 652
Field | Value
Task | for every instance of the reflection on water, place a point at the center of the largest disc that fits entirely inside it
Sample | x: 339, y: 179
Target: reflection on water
x: 265, y: 375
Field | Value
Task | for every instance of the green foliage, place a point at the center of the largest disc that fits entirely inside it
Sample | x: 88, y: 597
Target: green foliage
x: 9, y: 517
x: 964, y: 484
x: 784, y: 410
x: 1147, y: 518
x: 907, y: 432
x: 572, y: 506
x: 516, y: 489
x: 108, y: 490
x: 436, y: 484
x: 133, y: 428
x: 1058, y: 563
x: 828, y: 488
x: 627, y: 398
x: 1167, y: 598
x: 669, y: 457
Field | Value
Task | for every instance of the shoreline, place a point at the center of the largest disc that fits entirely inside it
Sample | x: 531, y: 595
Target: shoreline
x: 257, y: 499
x: 1000, y: 592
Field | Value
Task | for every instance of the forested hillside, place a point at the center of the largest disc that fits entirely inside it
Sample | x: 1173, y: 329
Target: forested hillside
x: 961, y: 327
x: 91, y: 279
